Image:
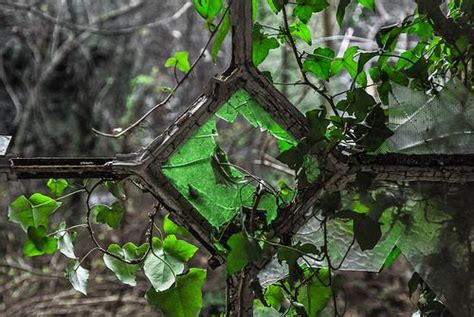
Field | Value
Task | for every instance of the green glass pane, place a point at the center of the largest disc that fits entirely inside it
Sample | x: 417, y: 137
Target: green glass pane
x: 199, y: 169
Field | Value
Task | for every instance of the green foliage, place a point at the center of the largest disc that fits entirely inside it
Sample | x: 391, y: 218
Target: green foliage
x: 208, y: 9
x: 109, y: 215
x: 262, y: 44
x: 124, y: 271
x: 243, y: 250
x: 315, y: 294
x: 167, y: 260
x: 304, y: 9
x: 319, y: 63
x: 171, y: 228
x: 65, y: 241
x: 33, y: 211
x: 77, y: 276
x: 57, y: 186
x: 221, y: 34
x: 180, y: 61
x: 301, y: 31
x: 183, y: 300
x: 39, y: 242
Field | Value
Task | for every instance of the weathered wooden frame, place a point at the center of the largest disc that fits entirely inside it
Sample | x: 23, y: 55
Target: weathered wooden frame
x: 145, y: 165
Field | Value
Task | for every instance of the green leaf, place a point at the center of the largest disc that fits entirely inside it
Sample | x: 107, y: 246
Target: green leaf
x: 32, y: 212
x: 291, y: 254
x: 65, y: 239
x: 57, y: 186
x: 367, y: 232
x: 77, y: 276
x: 125, y: 272
x: 262, y: 44
x: 294, y: 158
x: 116, y: 188
x: 315, y: 295
x: 341, y: 10
x: 352, y: 67
x: 368, y: 4
x: 374, y: 131
x: 319, y: 63
x: 180, y: 60
x: 220, y: 36
x: 305, y: 9
x: 208, y: 9
x: 179, y: 249
x: 363, y: 59
x: 110, y: 215
x: 39, y: 242
x: 358, y: 103
x: 184, y: 300
x: 274, y: 296
x: 161, y: 268
x: 171, y: 228
x: 301, y: 31
x: 238, y: 257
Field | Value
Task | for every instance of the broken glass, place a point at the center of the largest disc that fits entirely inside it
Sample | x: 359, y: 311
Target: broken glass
x: 201, y: 171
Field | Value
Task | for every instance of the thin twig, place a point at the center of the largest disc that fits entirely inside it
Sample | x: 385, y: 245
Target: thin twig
x: 171, y: 93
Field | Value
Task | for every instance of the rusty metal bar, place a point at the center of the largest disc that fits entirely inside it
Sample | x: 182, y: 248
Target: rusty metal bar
x: 56, y: 167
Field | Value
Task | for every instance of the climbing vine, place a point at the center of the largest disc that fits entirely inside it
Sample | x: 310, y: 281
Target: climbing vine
x: 244, y: 209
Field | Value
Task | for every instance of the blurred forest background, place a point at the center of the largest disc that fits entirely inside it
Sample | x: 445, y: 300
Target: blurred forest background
x: 67, y: 66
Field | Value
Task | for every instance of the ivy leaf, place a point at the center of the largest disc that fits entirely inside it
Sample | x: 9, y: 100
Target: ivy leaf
x: 32, y: 212
x: 125, y: 272
x: 77, y: 276
x: 305, y: 9
x: 238, y: 257
x: 301, y: 31
x: 171, y: 228
x: 368, y: 4
x: 352, y: 67
x: 65, y: 239
x: 341, y: 10
x: 374, y: 131
x: 262, y: 44
x: 220, y: 36
x: 179, y: 249
x: 367, y: 232
x: 208, y: 9
x: 276, y: 5
x: 161, y: 268
x: 315, y: 295
x: 294, y: 158
x: 39, y: 242
x: 364, y: 58
x: 57, y: 186
x: 180, y: 60
x: 291, y: 255
x: 116, y: 188
x: 274, y: 296
x: 110, y: 215
x: 183, y: 300
x: 319, y: 63
x: 358, y: 103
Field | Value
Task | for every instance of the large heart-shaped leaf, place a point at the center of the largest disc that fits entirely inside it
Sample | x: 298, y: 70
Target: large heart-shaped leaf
x: 32, y: 212
x: 184, y: 300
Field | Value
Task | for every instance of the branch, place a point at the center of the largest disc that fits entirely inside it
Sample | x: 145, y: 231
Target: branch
x: 95, y: 30
x: 306, y: 80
